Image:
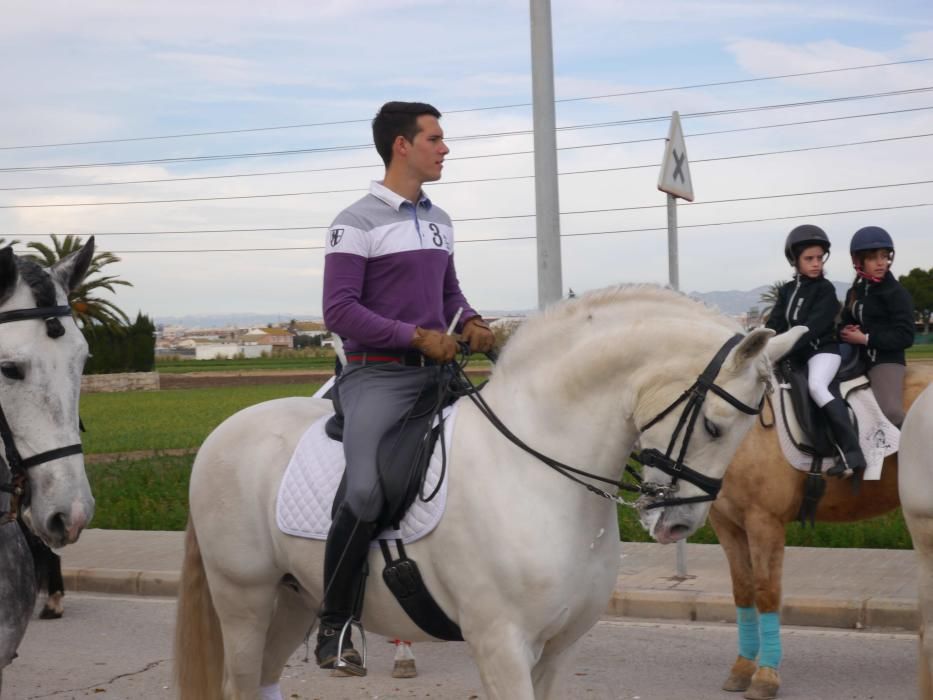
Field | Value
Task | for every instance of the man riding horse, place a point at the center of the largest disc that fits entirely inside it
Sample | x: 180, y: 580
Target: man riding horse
x: 390, y: 292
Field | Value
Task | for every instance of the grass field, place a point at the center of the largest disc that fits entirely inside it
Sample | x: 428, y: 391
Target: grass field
x: 158, y: 420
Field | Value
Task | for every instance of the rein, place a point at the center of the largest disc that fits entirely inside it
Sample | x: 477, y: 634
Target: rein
x: 693, y: 396
x: 18, y: 486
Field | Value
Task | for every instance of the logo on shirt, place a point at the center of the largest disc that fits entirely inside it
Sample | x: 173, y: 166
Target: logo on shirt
x: 335, y: 235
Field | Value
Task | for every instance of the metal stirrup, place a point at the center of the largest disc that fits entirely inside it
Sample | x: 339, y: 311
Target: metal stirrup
x: 348, y: 666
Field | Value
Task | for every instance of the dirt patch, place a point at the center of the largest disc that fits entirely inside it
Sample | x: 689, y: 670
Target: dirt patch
x: 201, y: 380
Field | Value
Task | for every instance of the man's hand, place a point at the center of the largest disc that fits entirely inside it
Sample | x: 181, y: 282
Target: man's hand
x: 435, y: 345
x: 477, y: 333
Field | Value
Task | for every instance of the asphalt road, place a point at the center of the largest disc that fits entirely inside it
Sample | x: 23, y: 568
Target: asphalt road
x: 116, y: 648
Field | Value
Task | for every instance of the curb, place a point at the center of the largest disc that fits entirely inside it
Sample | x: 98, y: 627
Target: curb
x: 800, y: 611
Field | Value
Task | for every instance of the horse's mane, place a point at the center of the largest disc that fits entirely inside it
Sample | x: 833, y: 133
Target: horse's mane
x: 607, y: 307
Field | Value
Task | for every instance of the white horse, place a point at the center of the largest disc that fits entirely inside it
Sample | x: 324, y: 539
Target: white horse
x: 524, y: 561
x: 915, y: 487
x: 42, y: 355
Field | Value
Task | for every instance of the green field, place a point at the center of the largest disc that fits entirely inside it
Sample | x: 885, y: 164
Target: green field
x: 158, y: 420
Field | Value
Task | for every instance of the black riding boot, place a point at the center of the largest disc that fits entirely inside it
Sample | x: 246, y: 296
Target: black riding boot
x: 837, y: 414
x: 344, y: 556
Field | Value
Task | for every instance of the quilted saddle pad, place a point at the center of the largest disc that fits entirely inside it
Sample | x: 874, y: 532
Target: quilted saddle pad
x: 306, y: 493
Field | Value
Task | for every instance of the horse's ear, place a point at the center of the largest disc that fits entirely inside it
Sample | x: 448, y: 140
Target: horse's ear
x: 750, y: 347
x: 71, y: 269
x: 8, y: 272
x: 782, y: 344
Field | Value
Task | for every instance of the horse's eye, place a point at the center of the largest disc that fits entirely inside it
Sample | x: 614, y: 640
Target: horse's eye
x: 711, y: 428
x: 11, y: 370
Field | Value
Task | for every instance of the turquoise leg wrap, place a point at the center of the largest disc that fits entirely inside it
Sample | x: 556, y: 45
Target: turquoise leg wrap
x: 770, y: 640
x: 747, y: 620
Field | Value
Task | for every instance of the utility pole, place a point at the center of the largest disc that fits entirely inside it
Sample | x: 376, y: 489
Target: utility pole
x: 547, y: 200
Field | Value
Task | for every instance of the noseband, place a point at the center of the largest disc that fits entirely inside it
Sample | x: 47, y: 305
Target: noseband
x: 659, y: 494
x: 19, y: 479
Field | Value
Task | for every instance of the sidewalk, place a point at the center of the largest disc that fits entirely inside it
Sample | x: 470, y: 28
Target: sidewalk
x: 849, y: 588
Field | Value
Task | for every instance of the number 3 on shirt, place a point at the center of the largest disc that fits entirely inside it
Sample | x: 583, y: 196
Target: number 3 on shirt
x: 436, y: 237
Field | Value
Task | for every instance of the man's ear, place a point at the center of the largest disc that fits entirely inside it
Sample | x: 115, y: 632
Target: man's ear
x: 400, y: 145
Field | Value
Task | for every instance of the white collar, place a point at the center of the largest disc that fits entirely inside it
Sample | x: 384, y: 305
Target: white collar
x: 393, y: 199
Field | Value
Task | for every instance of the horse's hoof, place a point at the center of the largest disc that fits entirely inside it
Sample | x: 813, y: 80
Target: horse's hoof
x: 404, y: 668
x: 765, y: 684
x: 740, y: 676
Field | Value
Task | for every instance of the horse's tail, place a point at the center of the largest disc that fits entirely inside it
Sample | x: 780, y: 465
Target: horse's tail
x: 199, y: 655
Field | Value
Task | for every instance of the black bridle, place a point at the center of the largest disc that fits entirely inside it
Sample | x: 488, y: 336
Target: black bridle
x: 18, y: 466
x: 652, y: 495
x: 693, y: 398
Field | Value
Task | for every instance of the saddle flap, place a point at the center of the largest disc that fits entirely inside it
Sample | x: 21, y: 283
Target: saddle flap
x: 814, y: 437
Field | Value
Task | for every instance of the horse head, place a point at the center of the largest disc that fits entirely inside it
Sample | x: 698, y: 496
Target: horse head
x: 42, y: 356
x: 701, y: 420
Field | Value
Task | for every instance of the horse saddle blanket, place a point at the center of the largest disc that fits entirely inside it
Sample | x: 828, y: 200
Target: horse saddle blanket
x: 878, y: 437
x: 306, y: 494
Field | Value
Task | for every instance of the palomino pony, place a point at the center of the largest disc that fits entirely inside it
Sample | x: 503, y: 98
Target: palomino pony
x: 524, y: 561
x: 762, y: 493
x: 42, y: 355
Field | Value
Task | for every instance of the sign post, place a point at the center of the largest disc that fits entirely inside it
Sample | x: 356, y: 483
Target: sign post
x: 675, y: 180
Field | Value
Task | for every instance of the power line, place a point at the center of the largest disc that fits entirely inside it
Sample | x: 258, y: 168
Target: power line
x: 458, y: 182
x: 648, y: 91
x: 563, y: 235
x: 604, y: 144
x: 501, y: 134
x: 502, y: 217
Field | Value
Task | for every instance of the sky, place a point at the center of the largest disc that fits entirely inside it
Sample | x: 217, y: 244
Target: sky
x: 106, y: 82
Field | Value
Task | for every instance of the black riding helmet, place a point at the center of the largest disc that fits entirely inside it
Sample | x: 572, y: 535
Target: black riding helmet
x: 802, y: 237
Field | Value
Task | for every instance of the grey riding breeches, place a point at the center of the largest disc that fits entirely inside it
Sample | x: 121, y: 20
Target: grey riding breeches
x: 374, y: 397
x: 887, y: 382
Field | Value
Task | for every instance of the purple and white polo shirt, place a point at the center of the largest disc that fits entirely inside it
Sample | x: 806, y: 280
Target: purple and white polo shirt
x: 389, y: 267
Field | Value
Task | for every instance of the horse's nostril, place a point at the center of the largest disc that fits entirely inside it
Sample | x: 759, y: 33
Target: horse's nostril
x: 56, y: 526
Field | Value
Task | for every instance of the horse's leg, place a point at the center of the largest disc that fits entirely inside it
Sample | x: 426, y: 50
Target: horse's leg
x: 547, y: 675
x: 53, y: 608
x: 245, y: 611
x: 921, y: 532
x: 766, y: 546
x: 504, y: 661
x: 291, y: 622
x: 734, y: 543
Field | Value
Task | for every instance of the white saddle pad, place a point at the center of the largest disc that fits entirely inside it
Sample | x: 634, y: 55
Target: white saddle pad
x: 306, y: 493
x: 878, y: 437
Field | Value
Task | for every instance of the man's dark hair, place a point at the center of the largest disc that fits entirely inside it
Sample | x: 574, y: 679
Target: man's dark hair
x: 398, y: 119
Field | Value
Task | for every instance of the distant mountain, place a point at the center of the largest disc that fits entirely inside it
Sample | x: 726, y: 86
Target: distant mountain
x: 735, y: 302
x: 732, y: 302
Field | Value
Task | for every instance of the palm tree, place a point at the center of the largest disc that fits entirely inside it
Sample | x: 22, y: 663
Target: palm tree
x: 88, y: 309
x: 769, y: 298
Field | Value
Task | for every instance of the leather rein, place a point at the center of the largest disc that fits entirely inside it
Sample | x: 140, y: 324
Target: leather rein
x: 18, y: 485
x: 652, y: 495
